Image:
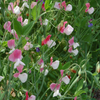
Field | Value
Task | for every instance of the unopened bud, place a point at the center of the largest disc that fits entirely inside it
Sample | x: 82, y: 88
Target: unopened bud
x: 98, y: 67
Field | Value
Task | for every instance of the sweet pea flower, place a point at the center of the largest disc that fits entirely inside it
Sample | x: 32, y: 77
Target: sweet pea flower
x: 74, y: 45
x: 68, y: 30
x: 46, y: 40
x: 54, y: 64
x: 16, y: 57
x: 13, y: 32
x: 28, y: 46
x: 57, y: 5
x: 11, y: 45
x: 65, y: 79
x: 25, y: 22
x: 75, y: 98
x: 45, y: 22
x: 23, y: 77
x: 43, y: 7
x: 88, y: 9
x: 69, y: 7
x: 37, y: 49
x: 25, y: 4
x: 51, y: 43
x: 11, y: 7
x: 55, y: 87
x: 32, y: 97
x: 20, y: 19
x: 17, y: 10
x: 33, y: 4
x: 7, y: 26
x: 61, y: 26
x: 25, y: 0
x: 1, y: 77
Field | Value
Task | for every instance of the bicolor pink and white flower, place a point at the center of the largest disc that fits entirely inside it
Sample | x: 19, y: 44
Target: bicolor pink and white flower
x: 55, y: 87
x: 72, y: 45
x: 32, y: 97
x: 11, y: 45
x: 7, y: 26
x: 59, y: 5
x: 13, y: 32
x: 28, y: 46
x: 11, y: 7
x: 67, y: 30
x: 88, y: 9
x: 65, y: 79
x: 23, y: 77
x: 54, y: 64
x: 16, y: 57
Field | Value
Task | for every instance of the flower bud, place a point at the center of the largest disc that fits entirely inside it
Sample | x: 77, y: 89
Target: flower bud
x: 98, y: 67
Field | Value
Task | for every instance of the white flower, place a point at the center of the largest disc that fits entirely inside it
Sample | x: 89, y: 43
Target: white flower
x: 55, y: 64
x: 25, y: 22
x: 46, y: 72
x: 23, y: 77
x: 24, y: 5
x: 66, y: 80
x: 18, y: 62
x: 56, y: 92
x: 75, y: 52
x: 51, y: 43
x: 75, y: 45
x: 57, y: 5
x: 68, y: 30
x: 0, y: 7
x: 91, y: 10
x: 45, y: 22
x: 17, y: 10
x: 69, y: 7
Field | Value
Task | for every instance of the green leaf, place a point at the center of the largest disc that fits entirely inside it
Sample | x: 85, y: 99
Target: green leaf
x: 79, y: 85
x: 36, y: 10
x: 1, y: 95
x: 66, y: 66
x: 47, y: 2
x: 18, y: 27
x: 27, y: 28
x: 79, y: 92
x: 27, y: 60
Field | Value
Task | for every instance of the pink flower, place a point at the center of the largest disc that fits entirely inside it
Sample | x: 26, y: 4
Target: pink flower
x: 55, y: 87
x: 61, y: 26
x: 75, y: 45
x: 64, y: 4
x: 43, y: 7
x: 11, y: 44
x: 75, y: 98
x: 16, y: 56
x: 10, y: 7
x: 13, y: 32
x: 7, y: 26
x: 33, y: 4
x: 46, y: 40
x: 32, y: 97
x: 28, y: 46
x: 22, y: 77
x: 88, y: 9
x: 41, y: 61
x: 20, y: 19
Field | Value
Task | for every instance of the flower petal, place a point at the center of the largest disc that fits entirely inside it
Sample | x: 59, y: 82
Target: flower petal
x: 23, y: 77
x: 55, y: 64
x: 66, y: 80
